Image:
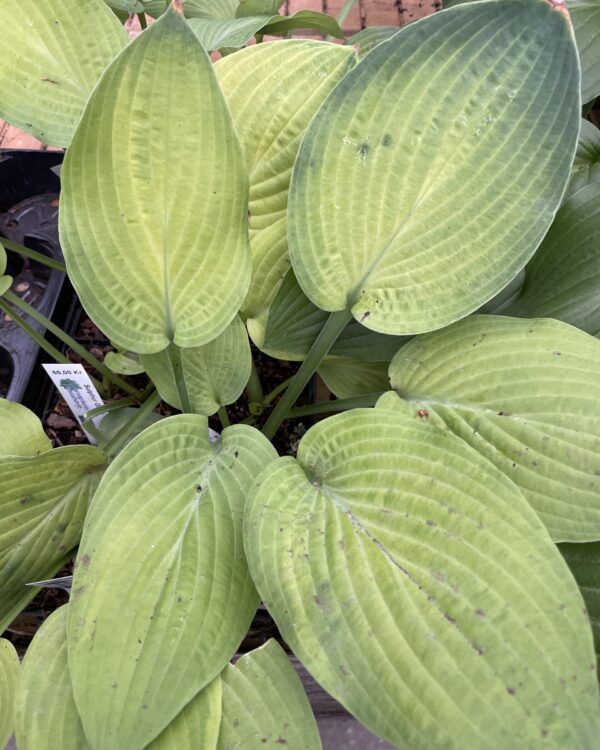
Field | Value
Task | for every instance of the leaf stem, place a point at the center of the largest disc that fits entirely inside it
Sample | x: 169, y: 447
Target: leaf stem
x: 32, y: 255
x: 335, y: 324
x: 224, y: 417
x: 254, y: 387
x: 143, y: 22
x: 276, y: 391
x: 45, y: 345
x: 174, y: 355
x: 118, y: 441
x: 72, y: 344
x: 343, y: 15
x: 339, y: 404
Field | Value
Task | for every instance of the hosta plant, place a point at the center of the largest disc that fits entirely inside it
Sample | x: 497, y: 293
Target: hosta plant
x: 414, y: 217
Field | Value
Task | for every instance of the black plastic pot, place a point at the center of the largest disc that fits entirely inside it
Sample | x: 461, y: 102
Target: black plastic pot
x: 29, y: 192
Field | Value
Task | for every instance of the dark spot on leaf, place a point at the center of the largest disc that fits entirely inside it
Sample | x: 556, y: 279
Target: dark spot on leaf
x: 199, y: 488
x: 431, y: 523
x: 365, y: 315
x: 423, y: 413
x: 386, y: 140
x: 478, y: 649
x: 24, y: 500
x: 363, y: 150
x: 144, y: 706
x: 281, y: 741
x: 78, y: 591
x: 115, y: 684
x: 480, y: 613
x: 562, y: 606
x: 61, y: 527
x: 85, y: 561
x: 544, y: 732
x: 556, y: 354
x: 236, y: 723
x: 449, y: 617
x: 500, y: 413
x: 50, y: 80
x: 318, y: 602
x: 510, y: 690
x: 236, y: 453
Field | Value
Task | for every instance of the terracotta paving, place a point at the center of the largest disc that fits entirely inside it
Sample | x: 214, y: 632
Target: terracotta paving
x: 365, y: 13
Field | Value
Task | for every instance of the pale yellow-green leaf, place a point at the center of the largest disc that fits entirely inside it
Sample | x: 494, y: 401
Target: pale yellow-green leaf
x: 43, y: 502
x: 214, y: 33
x: 52, y: 55
x: 214, y: 374
x: 9, y: 680
x: 21, y: 432
x: 45, y: 713
x: 264, y: 704
x: 431, y: 174
x: 369, y: 38
x: 153, y: 213
x: 162, y: 595
x: 197, y: 726
x: 526, y: 395
x: 273, y: 90
x: 346, y: 377
x: 124, y: 363
x: 417, y: 585
x: 5, y: 281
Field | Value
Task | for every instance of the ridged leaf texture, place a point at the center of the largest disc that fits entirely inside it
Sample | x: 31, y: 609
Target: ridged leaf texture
x: 274, y: 90
x: 214, y: 374
x: 585, y: 15
x: 369, y: 38
x: 153, y: 217
x: 416, y: 584
x: 9, y: 680
x: 431, y: 174
x: 45, y: 712
x: 162, y: 595
x: 526, y: 395
x: 586, y: 167
x: 43, y: 502
x: 264, y: 704
x: 52, y: 55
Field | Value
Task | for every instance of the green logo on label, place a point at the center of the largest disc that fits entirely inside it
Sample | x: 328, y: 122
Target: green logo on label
x: 70, y: 385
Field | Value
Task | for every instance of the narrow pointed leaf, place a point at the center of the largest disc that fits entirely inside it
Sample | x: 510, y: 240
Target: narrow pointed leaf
x: 274, y: 90
x: 45, y: 713
x: 21, y: 432
x: 304, y: 19
x: 215, y: 33
x: 367, y: 39
x: 562, y: 279
x: 9, y: 680
x: 154, y: 201
x: 419, y: 588
x: 264, y: 704
x: 526, y: 395
x: 214, y: 374
x: 124, y: 363
x: 417, y: 197
x: 584, y: 561
x: 43, y: 502
x: 52, y: 55
x: 162, y: 595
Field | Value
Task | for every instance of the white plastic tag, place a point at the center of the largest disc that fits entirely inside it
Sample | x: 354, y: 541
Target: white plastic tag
x: 80, y: 394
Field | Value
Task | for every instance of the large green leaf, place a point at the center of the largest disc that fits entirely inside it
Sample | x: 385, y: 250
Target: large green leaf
x: 417, y: 196
x: 47, y: 717
x: 214, y: 374
x: 258, y: 7
x: 21, y: 432
x: 218, y: 9
x: 289, y: 326
x: 419, y: 588
x: 304, y: 19
x: 562, y: 279
x: 129, y: 6
x: 43, y: 502
x: 45, y: 713
x: 346, y: 377
x: 584, y: 561
x: 585, y: 15
x: 526, y: 395
x: 264, y: 704
x: 162, y: 595
x: 51, y: 57
x: 274, y: 90
x: 154, y: 204
x: 9, y: 680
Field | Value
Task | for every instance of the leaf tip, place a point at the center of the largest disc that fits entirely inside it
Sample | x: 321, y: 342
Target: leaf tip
x: 177, y: 6
x: 561, y: 7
